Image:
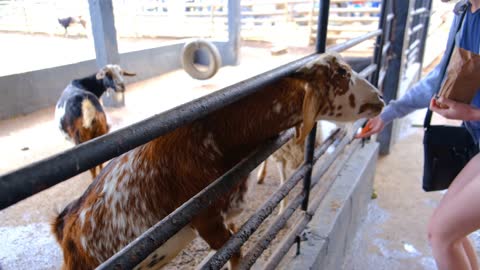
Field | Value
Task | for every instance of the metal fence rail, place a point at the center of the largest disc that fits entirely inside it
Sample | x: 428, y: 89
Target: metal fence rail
x: 46, y: 173
x: 301, y: 224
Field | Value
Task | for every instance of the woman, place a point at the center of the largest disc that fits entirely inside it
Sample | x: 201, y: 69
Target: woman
x: 457, y: 214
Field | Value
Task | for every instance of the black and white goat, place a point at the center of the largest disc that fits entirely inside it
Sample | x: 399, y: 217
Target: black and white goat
x: 69, y: 21
x: 78, y: 112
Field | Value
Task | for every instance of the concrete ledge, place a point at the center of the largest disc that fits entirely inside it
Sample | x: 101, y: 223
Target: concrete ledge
x: 335, y: 222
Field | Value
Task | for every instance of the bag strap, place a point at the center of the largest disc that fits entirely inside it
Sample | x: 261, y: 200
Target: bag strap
x: 449, y: 51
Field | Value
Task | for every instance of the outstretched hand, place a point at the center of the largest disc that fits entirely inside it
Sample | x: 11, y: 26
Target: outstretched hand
x: 373, y: 126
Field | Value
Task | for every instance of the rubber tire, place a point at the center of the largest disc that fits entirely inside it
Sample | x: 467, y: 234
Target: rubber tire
x: 188, y: 53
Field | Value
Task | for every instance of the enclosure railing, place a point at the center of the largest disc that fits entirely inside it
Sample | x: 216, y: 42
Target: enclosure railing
x: 419, y: 18
x: 38, y: 176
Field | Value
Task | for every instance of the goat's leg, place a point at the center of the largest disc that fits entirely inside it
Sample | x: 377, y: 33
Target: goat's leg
x: 282, y: 168
x: 212, y: 229
x: 93, y: 172
x: 262, y: 172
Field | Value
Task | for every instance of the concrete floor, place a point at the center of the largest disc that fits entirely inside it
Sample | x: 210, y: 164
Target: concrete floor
x: 394, y: 233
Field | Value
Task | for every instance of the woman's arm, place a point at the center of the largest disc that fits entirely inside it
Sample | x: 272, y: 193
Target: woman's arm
x: 419, y: 95
x: 451, y: 109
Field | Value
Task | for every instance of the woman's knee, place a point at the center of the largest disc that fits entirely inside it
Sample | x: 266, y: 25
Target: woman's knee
x: 435, y: 231
x: 439, y: 236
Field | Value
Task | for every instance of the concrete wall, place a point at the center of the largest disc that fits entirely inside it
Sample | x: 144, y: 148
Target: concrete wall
x: 28, y: 92
x: 335, y: 222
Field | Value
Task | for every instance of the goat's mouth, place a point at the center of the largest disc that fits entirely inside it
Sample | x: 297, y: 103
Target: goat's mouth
x: 372, y: 109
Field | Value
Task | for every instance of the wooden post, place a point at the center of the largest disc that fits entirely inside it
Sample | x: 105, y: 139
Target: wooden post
x: 105, y: 40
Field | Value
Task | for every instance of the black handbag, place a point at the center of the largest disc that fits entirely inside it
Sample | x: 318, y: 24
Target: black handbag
x: 447, y: 149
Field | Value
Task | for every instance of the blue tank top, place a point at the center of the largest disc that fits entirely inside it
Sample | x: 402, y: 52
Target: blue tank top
x: 471, y: 41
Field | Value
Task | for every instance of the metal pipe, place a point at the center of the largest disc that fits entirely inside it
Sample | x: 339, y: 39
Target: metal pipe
x: 309, y: 149
x: 412, y: 46
x: 324, y: 7
x: 354, y: 41
x: 390, y: 17
x: 415, y: 29
x: 251, y: 225
x: 237, y: 240
x: 254, y: 253
x: 386, y: 47
x: 426, y: 22
x: 48, y: 172
x: 368, y: 70
x: 291, y: 238
x: 378, y: 55
x: 419, y: 11
x: 284, y: 247
x: 145, y: 244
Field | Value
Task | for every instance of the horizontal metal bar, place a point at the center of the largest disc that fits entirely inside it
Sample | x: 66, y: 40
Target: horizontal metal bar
x: 386, y: 47
x: 237, y: 240
x: 48, y: 172
x: 251, y: 225
x: 289, y: 240
x: 254, y: 253
x: 368, y: 70
x: 354, y: 41
x: 148, y: 242
x: 412, y: 46
x: 251, y: 257
x: 413, y: 54
x: 416, y: 28
x: 419, y: 11
x: 390, y: 17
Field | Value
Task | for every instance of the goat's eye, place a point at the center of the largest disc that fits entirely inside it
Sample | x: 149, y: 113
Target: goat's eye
x: 342, y: 71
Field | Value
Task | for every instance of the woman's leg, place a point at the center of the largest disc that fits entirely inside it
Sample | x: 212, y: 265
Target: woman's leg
x: 456, y: 217
x: 471, y: 254
x: 468, y: 173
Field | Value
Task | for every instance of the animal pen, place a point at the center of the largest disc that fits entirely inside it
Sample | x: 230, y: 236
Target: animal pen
x: 399, y: 46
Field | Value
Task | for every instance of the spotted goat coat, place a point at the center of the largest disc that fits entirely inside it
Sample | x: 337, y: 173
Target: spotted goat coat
x: 142, y: 186
x: 79, y: 114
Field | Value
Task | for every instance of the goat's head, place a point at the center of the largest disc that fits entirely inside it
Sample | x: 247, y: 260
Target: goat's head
x: 333, y: 91
x: 112, y: 77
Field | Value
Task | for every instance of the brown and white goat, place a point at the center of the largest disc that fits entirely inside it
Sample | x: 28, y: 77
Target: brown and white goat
x: 78, y: 112
x: 141, y: 187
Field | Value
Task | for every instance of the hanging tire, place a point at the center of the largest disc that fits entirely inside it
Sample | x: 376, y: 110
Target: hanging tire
x: 188, y: 59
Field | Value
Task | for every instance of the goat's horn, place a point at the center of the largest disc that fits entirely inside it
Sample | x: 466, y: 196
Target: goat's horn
x: 126, y: 73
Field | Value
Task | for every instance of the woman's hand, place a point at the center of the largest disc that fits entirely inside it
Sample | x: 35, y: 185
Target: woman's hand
x: 451, y: 109
x: 373, y: 126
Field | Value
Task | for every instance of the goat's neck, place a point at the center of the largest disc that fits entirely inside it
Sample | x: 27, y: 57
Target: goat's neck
x: 250, y: 121
x: 90, y: 84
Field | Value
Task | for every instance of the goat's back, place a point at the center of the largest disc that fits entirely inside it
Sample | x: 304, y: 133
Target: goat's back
x: 80, y: 115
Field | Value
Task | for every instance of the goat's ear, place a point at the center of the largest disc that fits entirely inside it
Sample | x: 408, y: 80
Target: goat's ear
x: 127, y: 73
x: 311, y: 107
